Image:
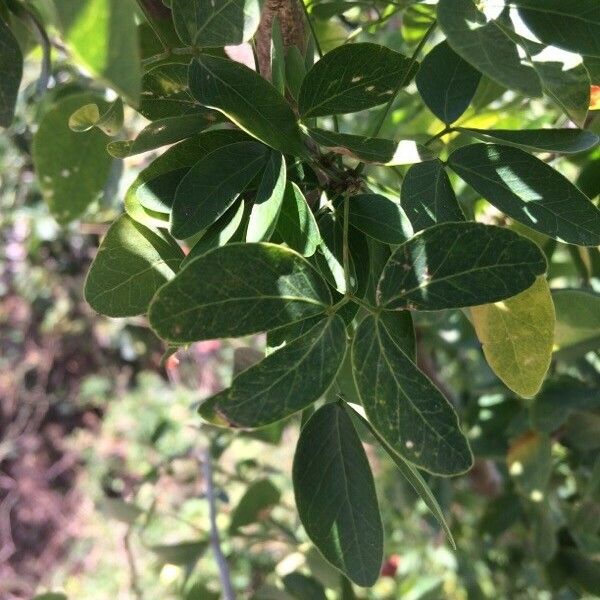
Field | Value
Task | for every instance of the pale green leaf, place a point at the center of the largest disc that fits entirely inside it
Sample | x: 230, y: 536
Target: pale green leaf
x: 88, y: 116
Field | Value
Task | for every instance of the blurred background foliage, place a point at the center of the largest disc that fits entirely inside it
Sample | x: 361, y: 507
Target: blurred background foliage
x: 103, y: 480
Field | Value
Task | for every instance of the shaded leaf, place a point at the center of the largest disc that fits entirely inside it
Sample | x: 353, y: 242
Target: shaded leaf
x: 303, y: 587
x: 132, y: 263
x: 454, y: 265
x: 517, y: 336
x: 277, y: 57
x: 213, y: 184
x: 447, y: 83
x: 529, y: 462
x: 378, y: 217
x: 297, y: 225
x: 11, y: 67
x: 246, y: 288
x: 530, y: 191
x: 258, y: 497
x: 577, y: 318
x: 335, y: 495
x: 285, y: 382
x: 248, y: 100
x: 427, y: 196
x: 351, y: 78
x: 404, y: 407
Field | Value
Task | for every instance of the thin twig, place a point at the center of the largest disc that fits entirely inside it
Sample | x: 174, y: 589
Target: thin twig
x: 215, y: 541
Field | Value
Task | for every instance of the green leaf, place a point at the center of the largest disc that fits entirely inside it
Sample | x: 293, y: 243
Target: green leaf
x: 132, y: 263
x: 213, y: 184
x: 414, y: 478
x: 529, y: 461
x: 583, y: 570
x: 227, y: 228
x: 369, y: 149
x: 453, y: 265
x: 165, y: 93
x: 102, y: 34
x: 295, y: 71
x: 486, y: 46
x: 577, y: 318
x: 88, y: 116
x: 11, y: 67
x: 564, y: 141
x: 277, y: 57
x: 268, y: 200
x: 183, y: 553
x: 403, y: 406
x: 209, y: 24
x: 447, y: 83
x: 297, y: 225
x: 246, y: 288
x: 427, y: 196
x: 351, y: 78
x: 530, y: 191
x: 303, y: 587
x: 248, y: 100
x: 260, y: 496
x: 161, y: 133
x: 517, y: 336
x: 72, y: 167
x: 50, y: 596
x: 574, y: 26
x: 378, y: 217
x: 285, y: 382
x: 335, y: 495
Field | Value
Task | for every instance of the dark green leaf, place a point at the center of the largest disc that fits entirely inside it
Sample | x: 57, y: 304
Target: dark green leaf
x: 277, y: 57
x: 574, y: 26
x: 268, y: 200
x: 11, y: 67
x: 72, y: 167
x: 565, y: 141
x: 486, y: 46
x: 369, y: 149
x: 583, y: 571
x: 50, y: 596
x: 405, y: 408
x: 295, y: 71
x: 447, y: 83
x: 453, y: 265
x: 297, y: 225
x: 161, y: 133
x: 351, y: 78
x: 248, y: 100
x: 529, y: 191
x: 285, y: 382
x: 246, y: 288
x: 303, y: 587
x: 184, y: 553
x: 427, y: 196
x: 258, y: 497
x: 165, y: 93
x: 378, y: 217
x: 213, y: 184
x: 209, y: 24
x: 132, y: 263
x: 335, y: 495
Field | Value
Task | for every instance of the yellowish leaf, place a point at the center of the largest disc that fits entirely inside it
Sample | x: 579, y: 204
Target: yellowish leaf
x: 517, y: 336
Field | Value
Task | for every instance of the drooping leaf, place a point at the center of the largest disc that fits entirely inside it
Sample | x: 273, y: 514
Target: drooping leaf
x: 88, y: 116
x: 335, y: 495
x: 378, y: 217
x: 427, y: 196
x: 213, y: 184
x: 102, y: 34
x: 250, y: 101
x: 517, y: 336
x: 260, y: 496
x: 246, y: 288
x: 530, y: 191
x: 11, y: 67
x: 454, y: 265
x: 447, y: 83
x: 297, y: 225
x: 303, y: 587
x: 222, y: 231
x: 564, y: 141
x: 369, y: 149
x: 162, y: 132
x: 285, y: 382
x: 577, y: 318
x: 209, y: 24
x: 351, y: 78
x: 574, y: 26
x: 132, y: 263
x: 405, y: 408
x: 486, y: 46
x: 72, y: 167
x: 268, y: 200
